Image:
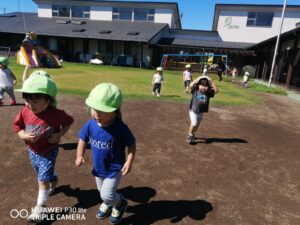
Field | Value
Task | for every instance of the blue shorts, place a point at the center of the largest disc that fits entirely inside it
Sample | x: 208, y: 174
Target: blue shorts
x: 44, y: 165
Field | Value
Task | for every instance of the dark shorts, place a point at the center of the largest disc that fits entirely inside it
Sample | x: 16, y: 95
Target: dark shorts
x: 187, y: 83
x: 157, y: 87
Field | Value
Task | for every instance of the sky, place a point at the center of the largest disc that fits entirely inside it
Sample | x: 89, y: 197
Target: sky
x: 197, y: 14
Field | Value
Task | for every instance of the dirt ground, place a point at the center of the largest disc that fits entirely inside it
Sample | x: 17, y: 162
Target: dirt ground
x: 243, y: 170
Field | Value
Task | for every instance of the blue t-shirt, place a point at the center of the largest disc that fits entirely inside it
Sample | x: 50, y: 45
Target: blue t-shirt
x: 108, y: 146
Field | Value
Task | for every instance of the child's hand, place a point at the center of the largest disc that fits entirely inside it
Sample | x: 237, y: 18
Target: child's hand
x: 14, y: 82
x: 29, y: 137
x: 55, y: 138
x: 79, y: 161
x: 126, y: 168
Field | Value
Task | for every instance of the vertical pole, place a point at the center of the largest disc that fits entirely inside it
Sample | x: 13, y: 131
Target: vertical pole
x: 277, y: 43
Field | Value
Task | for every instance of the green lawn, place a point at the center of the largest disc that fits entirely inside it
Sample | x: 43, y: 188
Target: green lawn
x: 79, y: 79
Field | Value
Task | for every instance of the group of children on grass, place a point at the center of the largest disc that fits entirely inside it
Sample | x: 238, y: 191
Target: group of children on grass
x: 41, y: 125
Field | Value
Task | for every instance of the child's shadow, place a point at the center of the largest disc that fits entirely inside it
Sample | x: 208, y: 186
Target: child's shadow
x: 85, y: 199
x: 175, y: 211
x: 220, y: 140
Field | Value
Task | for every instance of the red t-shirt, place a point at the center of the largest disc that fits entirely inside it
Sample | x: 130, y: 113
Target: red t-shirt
x: 43, y: 124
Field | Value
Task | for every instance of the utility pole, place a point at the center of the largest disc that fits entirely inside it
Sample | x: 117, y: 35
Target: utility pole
x: 277, y: 43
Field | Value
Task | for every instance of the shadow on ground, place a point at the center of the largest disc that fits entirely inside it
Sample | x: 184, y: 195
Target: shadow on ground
x: 144, y: 212
x: 220, y: 140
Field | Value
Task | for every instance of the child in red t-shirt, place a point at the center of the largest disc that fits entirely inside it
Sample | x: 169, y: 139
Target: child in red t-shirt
x: 41, y: 125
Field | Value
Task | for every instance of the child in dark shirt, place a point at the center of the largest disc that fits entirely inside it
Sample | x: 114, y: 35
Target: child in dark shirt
x: 202, y: 89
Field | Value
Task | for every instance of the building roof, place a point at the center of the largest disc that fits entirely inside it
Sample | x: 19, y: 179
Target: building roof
x: 213, y: 46
x: 204, y: 43
x: 92, y: 29
x: 249, y: 8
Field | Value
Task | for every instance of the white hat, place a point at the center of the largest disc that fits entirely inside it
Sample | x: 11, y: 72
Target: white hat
x: 206, y: 78
x: 159, y: 69
x: 247, y: 73
x: 188, y: 66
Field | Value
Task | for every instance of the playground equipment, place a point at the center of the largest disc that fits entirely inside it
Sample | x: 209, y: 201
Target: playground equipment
x: 197, y: 61
x: 34, y: 55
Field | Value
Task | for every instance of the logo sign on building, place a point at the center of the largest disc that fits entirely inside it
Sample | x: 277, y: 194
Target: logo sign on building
x: 229, y: 25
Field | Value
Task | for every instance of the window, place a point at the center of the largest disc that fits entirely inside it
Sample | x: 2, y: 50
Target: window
x: 143, y: 14
x: 259, y: 19
x: 80, y: 12
x: 122, y: 14
x: 60, y: 11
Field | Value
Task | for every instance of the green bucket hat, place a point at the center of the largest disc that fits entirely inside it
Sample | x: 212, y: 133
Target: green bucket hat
x: 4, y: 61
x: 105, y: 97
x: 40, y: 83
x: 41, y: 72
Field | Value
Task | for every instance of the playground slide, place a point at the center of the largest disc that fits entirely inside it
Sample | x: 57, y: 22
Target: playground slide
x: 32, y: 57
x: 53, y: 57
x: 27, y: 57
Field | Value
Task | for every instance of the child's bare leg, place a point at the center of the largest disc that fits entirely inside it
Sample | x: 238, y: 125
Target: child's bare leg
x: 193, y: 130
x: 26, y: 73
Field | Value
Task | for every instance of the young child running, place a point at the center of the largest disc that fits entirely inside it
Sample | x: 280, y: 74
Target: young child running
x: 7, y: 81
x: 41, y: 125
x: 157, y: 81
x: 187, y: 77
x: 202, y: 89
x: 108, y: 136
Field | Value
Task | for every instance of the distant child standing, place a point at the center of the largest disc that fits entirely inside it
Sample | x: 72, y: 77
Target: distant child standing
x: 41, y: 125
x: 157, y: 81
x: 7, y: 81
x: 202, y: 89
x: 205, y: 71
x: 187, y: 77
x: 246, y: 79
x: 233, y: 74
x: 108, y: 136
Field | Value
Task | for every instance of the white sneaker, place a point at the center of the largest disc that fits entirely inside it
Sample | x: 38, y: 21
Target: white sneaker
x: 36, y: 215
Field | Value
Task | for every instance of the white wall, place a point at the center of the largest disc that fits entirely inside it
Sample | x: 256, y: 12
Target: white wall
x: 232, y: 26
x: 163, y: 16
x: 101, y: 13
x: 45, y: 10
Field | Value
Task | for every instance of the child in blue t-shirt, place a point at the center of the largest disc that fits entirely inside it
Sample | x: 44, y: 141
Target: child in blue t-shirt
x: 108, y: 137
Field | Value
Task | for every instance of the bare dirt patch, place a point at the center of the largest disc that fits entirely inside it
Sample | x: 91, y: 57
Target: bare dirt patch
x: 243, y: 170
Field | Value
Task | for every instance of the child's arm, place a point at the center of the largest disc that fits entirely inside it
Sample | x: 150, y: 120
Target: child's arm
x: 14, y: 78
x: 55, y: 137
x: 192, y: 85
x: 80, y: 153
x: 127, y: 165
x: 214, y: 87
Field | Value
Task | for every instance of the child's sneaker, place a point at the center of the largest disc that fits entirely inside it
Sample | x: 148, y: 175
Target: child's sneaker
x: 104, y: 211
x: 12, y: 102
x: 117, y: 213
x: 53, y: 185
x: 36, y: 215
x: 190, y: 139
